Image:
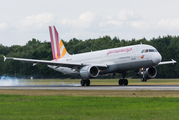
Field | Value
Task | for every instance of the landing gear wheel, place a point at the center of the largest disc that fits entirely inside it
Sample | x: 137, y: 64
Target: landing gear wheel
x: 83, y: 82
x: 125, y: 82
x: 143, y: 79
x: 121, y: 82
x: 87, y: 82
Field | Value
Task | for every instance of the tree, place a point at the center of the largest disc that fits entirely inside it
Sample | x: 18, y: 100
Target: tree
x: 168, y: 46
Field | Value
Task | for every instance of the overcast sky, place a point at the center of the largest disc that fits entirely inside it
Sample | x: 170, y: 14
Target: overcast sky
x: 22, y: 20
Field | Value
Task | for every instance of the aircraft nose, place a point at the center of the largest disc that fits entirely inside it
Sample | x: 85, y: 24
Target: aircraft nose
x: 156, y: 58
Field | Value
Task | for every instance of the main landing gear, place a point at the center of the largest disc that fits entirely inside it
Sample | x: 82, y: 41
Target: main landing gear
x: 123, y: 81
x: 85, y: 82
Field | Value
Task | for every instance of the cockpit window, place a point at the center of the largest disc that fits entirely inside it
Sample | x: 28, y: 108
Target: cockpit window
x: 149, y: 50
x: 155, y: 50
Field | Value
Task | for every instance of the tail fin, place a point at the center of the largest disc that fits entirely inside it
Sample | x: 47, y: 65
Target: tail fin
x: 58, y: 49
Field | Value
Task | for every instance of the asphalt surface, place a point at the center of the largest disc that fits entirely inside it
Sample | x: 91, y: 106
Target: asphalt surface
x: 96, y: 87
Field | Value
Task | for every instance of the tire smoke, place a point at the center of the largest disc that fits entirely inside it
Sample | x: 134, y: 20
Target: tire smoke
x: 9, y: 81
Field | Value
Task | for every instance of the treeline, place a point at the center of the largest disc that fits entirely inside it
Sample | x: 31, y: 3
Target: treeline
x: 168, y: 47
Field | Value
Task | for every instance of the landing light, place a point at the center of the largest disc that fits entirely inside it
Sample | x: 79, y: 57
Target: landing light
x: 142, y: 69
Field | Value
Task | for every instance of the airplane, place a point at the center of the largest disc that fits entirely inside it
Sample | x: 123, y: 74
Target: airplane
x: 142, y: 57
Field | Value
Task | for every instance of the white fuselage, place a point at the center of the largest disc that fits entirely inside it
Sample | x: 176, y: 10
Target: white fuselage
x: 118, y: 60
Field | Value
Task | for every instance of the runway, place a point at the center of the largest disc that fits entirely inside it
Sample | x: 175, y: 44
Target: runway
x: 96, y: 87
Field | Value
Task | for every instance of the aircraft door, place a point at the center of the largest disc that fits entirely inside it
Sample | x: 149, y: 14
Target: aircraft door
x: 103, y: 57
x: 133, y: 53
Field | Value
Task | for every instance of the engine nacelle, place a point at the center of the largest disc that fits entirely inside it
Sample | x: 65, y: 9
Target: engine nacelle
x: 87, y: 72
x: 148, y: 73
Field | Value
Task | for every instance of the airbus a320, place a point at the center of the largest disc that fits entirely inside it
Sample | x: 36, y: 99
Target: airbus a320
x: 142, y: 57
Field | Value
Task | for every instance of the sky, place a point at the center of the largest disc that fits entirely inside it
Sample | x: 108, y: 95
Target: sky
x: 22, y: 20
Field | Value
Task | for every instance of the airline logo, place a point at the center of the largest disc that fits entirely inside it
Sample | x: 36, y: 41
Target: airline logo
x: 62, y: 49
x: 142, y: 56
x: 58, y: 49
x: 120, y: 50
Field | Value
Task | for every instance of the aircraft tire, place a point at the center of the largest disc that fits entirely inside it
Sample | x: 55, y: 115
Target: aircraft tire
x: 83, y: 82
x: 143, y: 79
x: 125, y: 82
x: 87, y: 82
x: 121, y: 82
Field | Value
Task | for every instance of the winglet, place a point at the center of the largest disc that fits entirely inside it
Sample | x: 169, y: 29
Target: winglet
x: 4, y: 58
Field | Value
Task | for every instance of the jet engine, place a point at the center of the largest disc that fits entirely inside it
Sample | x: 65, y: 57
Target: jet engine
x: 147, y: 73
x: 87, y: 72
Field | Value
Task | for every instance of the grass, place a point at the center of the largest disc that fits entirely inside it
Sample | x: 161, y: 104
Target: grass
x: 89, y: 108
x: 92, y: 93
x: 89, y: 104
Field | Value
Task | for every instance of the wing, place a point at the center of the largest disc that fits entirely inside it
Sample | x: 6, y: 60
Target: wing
x: 167, y: 62
x: 56, y: 63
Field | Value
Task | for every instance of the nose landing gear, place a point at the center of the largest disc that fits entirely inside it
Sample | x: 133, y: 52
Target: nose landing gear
x: 143, y: 79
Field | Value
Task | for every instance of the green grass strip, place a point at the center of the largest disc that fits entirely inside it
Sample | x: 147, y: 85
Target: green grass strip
x: 90, y: 108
